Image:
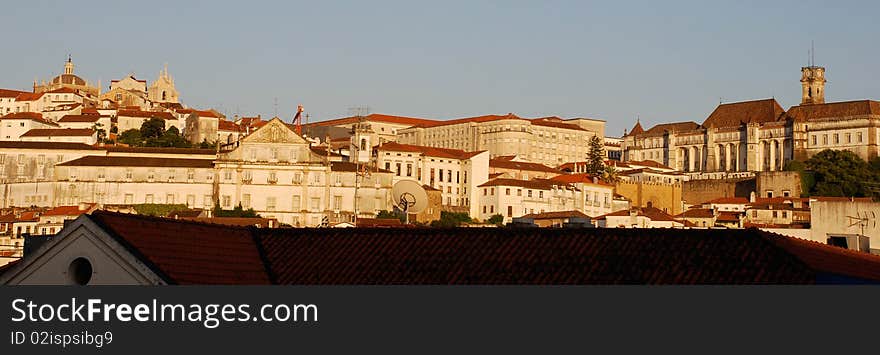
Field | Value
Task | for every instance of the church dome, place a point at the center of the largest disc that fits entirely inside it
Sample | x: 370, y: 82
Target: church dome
x: 69, y: 79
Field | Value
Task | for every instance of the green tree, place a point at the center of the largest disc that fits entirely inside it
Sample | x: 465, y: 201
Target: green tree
x: 609, y: 175
x: 392, y: 214
x: 496, y: 219
x: 238, y: 211
x: 153, y: 128
x: 841, y: 173
x: 451, y: 219
x: 596, y: 157
x: 131, y: 137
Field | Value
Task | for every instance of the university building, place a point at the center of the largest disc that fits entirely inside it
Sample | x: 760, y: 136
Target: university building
x: 760, y: 135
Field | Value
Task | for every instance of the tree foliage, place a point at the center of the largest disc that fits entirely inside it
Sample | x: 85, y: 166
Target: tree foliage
x: 158, y: 209
x: 596, y: 157
x: 496, y: 219
x: 396, y: 214
x: 153, y: 134
x: 238, y: 211
x: 451, y: 219
x: 842, y: 173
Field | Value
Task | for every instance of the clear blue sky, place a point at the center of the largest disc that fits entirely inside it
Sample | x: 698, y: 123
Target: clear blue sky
x: 662, y: 60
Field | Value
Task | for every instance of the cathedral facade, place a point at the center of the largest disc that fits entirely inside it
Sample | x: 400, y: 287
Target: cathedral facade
x: 69, y: 80
x: 760, y: 135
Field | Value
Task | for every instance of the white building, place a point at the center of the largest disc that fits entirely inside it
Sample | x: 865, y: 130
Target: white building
x: 512, y: 198
x: 272, y: 170
x: 14, y: 125
x: 68, y: 135
x: 454, y: 172
x: 550, y: 140
x: 597, y: 196
x: 646, y: 217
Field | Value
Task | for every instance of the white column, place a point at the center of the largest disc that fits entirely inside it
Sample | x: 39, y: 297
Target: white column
x: 772, y: 155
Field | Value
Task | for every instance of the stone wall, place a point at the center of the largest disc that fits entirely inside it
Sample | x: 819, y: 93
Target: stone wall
x: 699, y: 191
x: 666, y: 197
x: 778, y: 183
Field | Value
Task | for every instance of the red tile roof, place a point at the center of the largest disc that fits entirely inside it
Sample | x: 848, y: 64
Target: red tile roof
x: 729, y: 201
x: 235, y: 221
x: 648, y: 163
x: 47, y: 145
x: 834, y: 109
x: 427, y: 151
x: 161, y: 150
x: 637, y: 129
x: 557, y: 215
x: 29, y: 96
x: 95, y: 160
x: 521, y: 165
x: 728, y: 217
x: 79, y: 118
x: 375, y: 117
x: 579, y: 178
x: 538, y: 184
x: 671, y: 127
x: 697, y: 213
x: 59, y: 132
x: 186, y: 252
x: 6, y: 93
x: 69, y: 210
x: 738, y: 113
x: 653, y: 213
x: 33, y: 116
x: 196, y: 253
x: 224, y: 125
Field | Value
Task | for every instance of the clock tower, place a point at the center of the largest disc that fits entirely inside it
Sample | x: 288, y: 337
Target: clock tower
x: 812, y: 85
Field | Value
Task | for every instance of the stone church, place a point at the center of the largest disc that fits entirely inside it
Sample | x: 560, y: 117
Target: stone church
x: 69, y: 80
x: 760, y: 135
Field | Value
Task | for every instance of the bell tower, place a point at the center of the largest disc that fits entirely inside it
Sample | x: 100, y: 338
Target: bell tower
x: 68, y: 67
x: 812, y: 85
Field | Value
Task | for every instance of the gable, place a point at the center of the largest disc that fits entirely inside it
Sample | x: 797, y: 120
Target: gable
x: 276, y: 132
x: 111, y: 263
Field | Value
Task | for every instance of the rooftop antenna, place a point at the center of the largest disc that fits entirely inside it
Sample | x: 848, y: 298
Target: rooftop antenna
x: 812, y: 53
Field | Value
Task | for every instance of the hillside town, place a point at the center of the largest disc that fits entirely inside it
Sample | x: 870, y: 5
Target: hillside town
x: 70, y: 147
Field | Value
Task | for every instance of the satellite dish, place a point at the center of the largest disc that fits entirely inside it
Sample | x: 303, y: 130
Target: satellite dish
x: 409, y: 196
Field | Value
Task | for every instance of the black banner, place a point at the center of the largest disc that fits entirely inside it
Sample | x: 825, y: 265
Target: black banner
x: 415, y: 319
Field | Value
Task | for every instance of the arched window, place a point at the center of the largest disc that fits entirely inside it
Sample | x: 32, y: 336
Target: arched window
x: 363, y: 144
x: 163, y: 96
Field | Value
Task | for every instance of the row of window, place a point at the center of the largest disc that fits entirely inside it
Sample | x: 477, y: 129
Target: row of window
x: 835, y: 138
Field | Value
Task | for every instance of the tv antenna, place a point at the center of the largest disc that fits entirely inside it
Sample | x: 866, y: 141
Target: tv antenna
x: 409, y: 197
x: 863, y: 219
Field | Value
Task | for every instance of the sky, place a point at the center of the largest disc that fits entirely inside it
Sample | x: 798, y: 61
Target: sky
x: 659, y: 61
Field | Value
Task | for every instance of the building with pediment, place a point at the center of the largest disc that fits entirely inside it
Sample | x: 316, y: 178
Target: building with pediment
x: 272, y: 170
x: 760, y: 135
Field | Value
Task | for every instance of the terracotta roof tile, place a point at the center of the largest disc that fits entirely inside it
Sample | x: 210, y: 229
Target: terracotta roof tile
x: 47, y: 145
x: 521, y: 165
x: 69, y: 210
x: 79, y: 118
x: 834, y: 110
x: 95, y: 160
x: 579, y: 178
x: 161, y: 150
x: 428, y: 151
x: 186, y: 252
x: 375, y: 117
x: 737, y: 113
x: 6, y: 93
x: 33, y: 116
x: 728, y: 217
x: 557, y: 215
x: 197, y: 253
x: 59, y: 132
x: 729, y: 201
x: 538, y: 184
x: 697, y: 213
